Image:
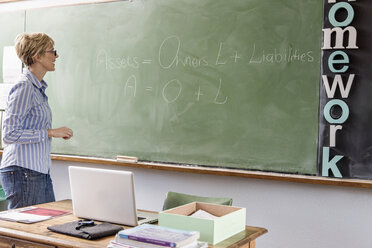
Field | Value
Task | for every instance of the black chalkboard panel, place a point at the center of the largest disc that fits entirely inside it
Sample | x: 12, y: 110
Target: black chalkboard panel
x: 222, y: 83
x: 354, y: 141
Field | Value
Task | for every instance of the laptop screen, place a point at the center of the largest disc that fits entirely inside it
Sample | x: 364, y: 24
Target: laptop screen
x: 103, y: 194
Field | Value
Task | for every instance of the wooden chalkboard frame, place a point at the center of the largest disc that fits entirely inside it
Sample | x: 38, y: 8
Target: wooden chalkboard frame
x: 356, y: 183
x: 59, y: 5
x: 221, y: 171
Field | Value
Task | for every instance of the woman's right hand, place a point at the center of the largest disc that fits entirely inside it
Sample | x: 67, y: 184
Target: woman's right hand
x: 61, y: 132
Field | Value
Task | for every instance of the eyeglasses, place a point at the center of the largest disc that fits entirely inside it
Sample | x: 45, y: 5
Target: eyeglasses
x: 52, y: 51
x: 83, y: 223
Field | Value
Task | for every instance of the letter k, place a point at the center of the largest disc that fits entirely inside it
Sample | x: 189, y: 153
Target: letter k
x: 326, y: 165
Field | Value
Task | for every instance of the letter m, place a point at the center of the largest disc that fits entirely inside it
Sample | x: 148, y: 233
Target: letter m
x: 340, y: 34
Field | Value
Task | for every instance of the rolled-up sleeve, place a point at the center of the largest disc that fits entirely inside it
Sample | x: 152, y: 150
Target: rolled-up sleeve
x: 19, y: 104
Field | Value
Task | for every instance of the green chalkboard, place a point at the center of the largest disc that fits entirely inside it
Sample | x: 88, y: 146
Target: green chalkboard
x: 11, y: 24
x: 208, y: 82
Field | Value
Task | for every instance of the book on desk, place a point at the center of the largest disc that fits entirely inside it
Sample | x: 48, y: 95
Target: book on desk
x: 147, y: 236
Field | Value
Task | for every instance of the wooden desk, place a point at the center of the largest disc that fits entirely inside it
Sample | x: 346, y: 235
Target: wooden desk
x: 14, y: 234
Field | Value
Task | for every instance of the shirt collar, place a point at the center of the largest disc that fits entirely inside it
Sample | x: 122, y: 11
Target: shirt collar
x: 34, y: 80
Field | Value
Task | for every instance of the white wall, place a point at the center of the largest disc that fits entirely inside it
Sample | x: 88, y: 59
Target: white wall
x: 296, y: 215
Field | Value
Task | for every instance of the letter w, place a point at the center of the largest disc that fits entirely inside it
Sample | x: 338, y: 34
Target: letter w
x: 338, y: 81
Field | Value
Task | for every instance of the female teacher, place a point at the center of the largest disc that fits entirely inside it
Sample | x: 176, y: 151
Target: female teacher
x: 27, y: 126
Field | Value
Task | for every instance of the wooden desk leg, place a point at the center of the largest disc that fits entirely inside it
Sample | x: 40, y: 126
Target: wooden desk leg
x: 251, y: 244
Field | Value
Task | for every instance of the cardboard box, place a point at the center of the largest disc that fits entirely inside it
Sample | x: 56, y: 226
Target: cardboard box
x: 230, y: 221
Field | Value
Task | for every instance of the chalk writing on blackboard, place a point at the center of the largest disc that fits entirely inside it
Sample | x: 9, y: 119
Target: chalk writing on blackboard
x: 275, y: 56
x: 130, y: 89
x: 169, y: 57
x: 174, y: 43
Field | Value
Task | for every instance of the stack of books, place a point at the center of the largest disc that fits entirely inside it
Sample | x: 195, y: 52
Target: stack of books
x: 153, y: 236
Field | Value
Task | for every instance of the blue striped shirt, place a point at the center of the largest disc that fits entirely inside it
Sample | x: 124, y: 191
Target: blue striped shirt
x: 26, y: 120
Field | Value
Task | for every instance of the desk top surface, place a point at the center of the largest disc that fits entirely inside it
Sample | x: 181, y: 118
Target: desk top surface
x: 38, y: 232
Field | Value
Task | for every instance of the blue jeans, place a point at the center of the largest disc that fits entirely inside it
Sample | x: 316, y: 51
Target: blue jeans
x: 24, y: 187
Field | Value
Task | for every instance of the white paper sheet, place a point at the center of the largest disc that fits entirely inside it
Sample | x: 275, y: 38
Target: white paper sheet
x: 12, y: 65
x: 204, y: 215
x: 21, y: 217
x: 4, y: 92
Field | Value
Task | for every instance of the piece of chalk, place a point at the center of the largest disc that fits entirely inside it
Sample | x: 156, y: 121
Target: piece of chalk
x: 127, y: 158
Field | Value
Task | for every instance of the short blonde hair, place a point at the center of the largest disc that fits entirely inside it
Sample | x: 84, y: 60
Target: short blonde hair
x: 29, y: 45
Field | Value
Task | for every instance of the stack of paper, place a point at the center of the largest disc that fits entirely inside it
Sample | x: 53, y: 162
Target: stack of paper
x: 31, y: 214
x: 153, y: 236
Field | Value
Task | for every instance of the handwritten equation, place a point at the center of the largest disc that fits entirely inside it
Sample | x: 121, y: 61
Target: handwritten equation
x: 130, y: 89
x: 169, y: 57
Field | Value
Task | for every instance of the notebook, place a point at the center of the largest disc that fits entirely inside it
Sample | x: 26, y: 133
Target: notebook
x: 106, y: 195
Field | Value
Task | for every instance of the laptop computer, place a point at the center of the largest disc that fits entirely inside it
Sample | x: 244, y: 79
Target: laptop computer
x: 106, y: 195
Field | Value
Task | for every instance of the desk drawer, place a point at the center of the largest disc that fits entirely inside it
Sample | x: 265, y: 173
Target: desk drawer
x: 7, y: 242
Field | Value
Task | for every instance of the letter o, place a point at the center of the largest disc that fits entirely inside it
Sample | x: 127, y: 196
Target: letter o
x: 166, y: 86
x: 328, y: 107
x: 335, y: 8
